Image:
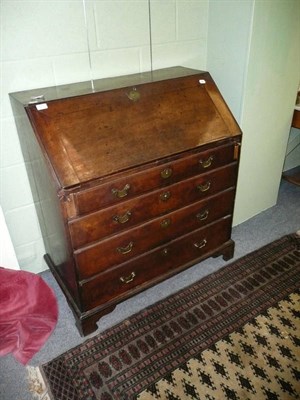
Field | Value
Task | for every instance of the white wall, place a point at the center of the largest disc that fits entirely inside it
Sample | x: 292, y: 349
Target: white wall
x: 44, y: 43
x: 8, y: 257
x: 271, y: 84
x: 229, y: 35
x: 254, y: 56
x: 40, y: 42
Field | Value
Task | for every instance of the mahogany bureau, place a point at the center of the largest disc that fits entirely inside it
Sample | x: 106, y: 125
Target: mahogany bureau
x: 133, y: 178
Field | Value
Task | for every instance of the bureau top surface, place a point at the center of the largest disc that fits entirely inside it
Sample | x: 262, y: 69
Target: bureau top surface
x: 89, y: 136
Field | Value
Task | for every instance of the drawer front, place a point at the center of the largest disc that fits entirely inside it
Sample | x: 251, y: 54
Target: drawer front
x: 114, y: 219
x: 154, y: 266
x: 130, y: 244
x: 153, y: 178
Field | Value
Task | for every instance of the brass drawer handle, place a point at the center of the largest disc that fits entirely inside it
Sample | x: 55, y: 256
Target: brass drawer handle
x: 201, y: 244
x: 165, y: 252
x: 125, y: 250
x: 165, y: 223
x: 202, y: 216
x: 165, y: 196
x: 206, y: 163
x: 121, y: 193
x: 122, y: 219
x: 205, y: 187
x: 166, y: 173
x: 128, y: 279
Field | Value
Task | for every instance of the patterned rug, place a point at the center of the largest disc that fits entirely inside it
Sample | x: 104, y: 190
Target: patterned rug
x: 233, y: 335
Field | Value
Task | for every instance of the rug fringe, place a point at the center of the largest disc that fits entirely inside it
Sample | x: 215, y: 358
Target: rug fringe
x: 36, y: 384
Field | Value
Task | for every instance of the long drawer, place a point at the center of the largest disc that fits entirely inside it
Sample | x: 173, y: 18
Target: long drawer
x: 155, y: 265
x: 135, y: 184
x: 114, y: 219
x: 143, y: 238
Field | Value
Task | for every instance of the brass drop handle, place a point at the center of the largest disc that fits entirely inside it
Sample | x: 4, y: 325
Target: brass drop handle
x: 206, y: 163
x: 202, y: 216
x: 205, y: 187
x: 128, y: 279
x: 125, y: 250
x: 121, y: 193
x: 165, y: 223
x: 165, y: 196
x: 122, y: 219
x: 201, y: 244
x: 166, y: 173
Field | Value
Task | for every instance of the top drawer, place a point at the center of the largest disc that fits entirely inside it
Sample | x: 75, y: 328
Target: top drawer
x: 165, y: 174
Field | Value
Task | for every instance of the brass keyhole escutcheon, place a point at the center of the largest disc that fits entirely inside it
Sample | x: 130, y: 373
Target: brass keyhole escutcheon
x: 165, y: 252
x: 165, y: 223
x: 166, y: 173
x: 165, y: 196
x: 134, y: 95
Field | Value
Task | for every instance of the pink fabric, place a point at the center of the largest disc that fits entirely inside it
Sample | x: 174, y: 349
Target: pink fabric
x: 28, y: 313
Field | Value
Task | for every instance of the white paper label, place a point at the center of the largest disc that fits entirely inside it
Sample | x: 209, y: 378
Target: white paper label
x: 42, y: 106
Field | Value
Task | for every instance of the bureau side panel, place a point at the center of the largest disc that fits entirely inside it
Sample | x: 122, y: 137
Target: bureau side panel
x: 49, y: 206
